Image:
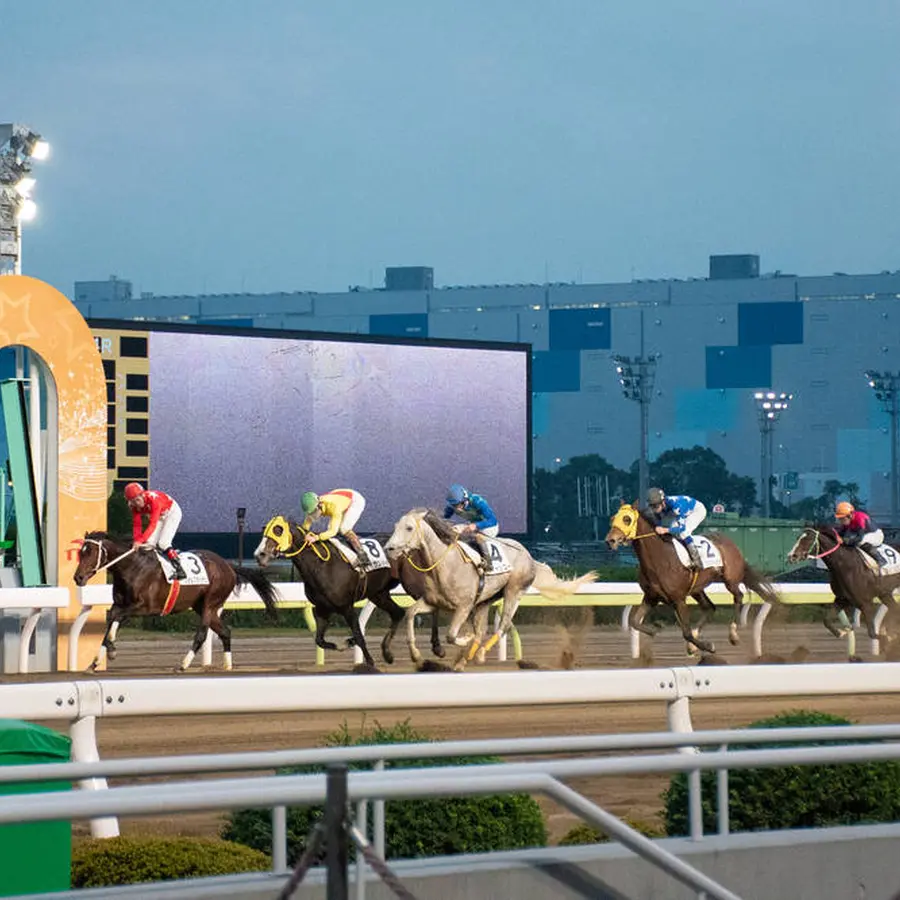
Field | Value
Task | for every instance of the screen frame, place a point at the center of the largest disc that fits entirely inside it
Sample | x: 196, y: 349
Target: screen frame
x: 150, y: 326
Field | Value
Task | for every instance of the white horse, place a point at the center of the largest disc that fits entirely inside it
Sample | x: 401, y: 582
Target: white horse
x: 453, y: 580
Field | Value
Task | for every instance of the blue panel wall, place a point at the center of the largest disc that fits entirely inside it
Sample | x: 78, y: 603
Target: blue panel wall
x: 409, y: 325
x: 233, y: 323
x: 706, y: 410
x: 672, y: 440
x: 738, y: 367
x: 540, y: 413
x: 770, y: 323
x: 553, y: 371
x: 580, y: 329
x: 864, y: 450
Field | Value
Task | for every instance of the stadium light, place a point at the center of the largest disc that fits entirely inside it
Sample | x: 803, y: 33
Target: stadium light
x: 19, y: 148
x: 637, y: 375
x: 886, y: 386
x: 770, y: 405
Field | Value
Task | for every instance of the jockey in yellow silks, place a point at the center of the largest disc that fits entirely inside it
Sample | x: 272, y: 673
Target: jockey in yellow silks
x: 343, y: 507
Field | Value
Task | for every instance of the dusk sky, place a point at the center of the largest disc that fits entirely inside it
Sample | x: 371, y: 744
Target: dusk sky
x: 205, y: 146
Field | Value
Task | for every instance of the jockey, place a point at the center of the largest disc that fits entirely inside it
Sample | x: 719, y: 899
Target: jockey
x: 343, y: 507
x: 682, y: 516
x: 857, y: 529
x: 165, y: 517
x: 482, y: 522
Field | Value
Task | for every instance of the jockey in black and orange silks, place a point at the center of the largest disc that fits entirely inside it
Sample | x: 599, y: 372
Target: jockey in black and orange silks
x: 856, y: 528
x: 164, y: 518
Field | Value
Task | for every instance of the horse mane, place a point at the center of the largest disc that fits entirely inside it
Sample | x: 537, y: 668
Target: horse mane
x: 104, y: 536
x: 439, y: 525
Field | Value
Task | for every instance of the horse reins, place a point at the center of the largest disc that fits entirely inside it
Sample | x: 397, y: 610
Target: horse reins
x: 101, y: 550
x: 827, y: 552
x: 440, y: 559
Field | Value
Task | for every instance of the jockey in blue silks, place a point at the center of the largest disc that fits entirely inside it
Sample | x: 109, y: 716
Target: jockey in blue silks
x: 480, y: 518
x: 679, y: 516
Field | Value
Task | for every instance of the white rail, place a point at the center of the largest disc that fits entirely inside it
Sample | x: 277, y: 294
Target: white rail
x: 36, y: 600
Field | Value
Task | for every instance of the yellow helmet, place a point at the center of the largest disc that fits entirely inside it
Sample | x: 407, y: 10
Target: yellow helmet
x: 844, y: 509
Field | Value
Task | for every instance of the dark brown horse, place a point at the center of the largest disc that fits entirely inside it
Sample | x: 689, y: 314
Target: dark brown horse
x: 334, y: 586
x: 854, y: 583
x: 663, y: 577
x: 141, y: 588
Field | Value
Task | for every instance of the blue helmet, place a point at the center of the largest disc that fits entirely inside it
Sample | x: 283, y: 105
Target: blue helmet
x: 457, y: 494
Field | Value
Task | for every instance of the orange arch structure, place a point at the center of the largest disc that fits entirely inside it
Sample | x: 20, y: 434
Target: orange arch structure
x: 36, y: 316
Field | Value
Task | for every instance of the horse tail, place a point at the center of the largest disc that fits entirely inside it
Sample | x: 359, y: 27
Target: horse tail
x: 547, y: 582
x: 261, y: 584
x: 761, y: 585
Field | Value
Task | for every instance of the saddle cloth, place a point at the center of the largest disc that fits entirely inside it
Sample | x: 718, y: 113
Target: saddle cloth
x: 889, y: 557
x: 374, y: 551
x: 499, y: 561
x: 192, y: 565
x: 709, y: 552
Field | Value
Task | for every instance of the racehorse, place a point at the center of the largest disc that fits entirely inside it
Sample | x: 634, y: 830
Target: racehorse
x: 854, y: 581
x: 141, y: 588
x: 334, y: 585
x: 663, y: 577
x: 453, y: 579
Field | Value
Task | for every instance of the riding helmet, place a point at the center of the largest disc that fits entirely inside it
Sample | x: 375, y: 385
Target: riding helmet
x: 656, y: 495
x: 844, y: 509
x: 133, y: 490
x: 309, y: 501
x: 457, y: 494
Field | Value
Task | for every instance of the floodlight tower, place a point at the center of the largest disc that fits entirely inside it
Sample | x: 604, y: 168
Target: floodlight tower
x: 19, y: 147
x: 637, y: 375
x: 887, y: 388
x: 769, y: 406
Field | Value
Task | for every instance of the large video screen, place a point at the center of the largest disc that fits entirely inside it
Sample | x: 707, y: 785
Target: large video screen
x: 248, y: 420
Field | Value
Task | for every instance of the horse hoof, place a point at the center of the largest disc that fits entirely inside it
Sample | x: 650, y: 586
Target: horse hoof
x: 438, y: 651
x: 351, y: 642
x: 388, y: 657
x: 855, y: 659
x: 480, y: 655
x: 111, y: 653
x: 416, y: 657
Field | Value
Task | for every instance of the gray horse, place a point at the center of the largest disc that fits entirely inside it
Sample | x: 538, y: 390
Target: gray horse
x: 453, y: 580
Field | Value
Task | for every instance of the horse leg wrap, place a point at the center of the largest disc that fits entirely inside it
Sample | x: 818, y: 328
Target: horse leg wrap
x: 491, y: 642
x: 188, y: 659
x: 228, y: 664
x: 473, y: 649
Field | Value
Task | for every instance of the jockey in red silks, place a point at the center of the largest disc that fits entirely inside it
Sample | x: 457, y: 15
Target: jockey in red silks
x: 857, y: 529
x: 165, y: 517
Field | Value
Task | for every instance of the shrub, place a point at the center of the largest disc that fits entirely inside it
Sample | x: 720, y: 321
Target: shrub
x: 413, y: 828
x: 583, y: 833
x: 130, y: 860
x: 793, y: 796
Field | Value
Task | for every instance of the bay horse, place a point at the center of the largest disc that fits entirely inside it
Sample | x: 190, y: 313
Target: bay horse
x: 334, y: 586
x: 663, y: 577
x: 141, y: 588
x: 453, y: 580
x: 853, y: 582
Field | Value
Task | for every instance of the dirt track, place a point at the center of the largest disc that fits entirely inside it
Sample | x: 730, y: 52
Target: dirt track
x: 548, y: 647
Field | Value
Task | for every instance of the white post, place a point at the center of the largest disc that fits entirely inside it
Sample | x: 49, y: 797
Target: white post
x: 25, y: 639
x: 34, y: 432
x: 279, y: 838
x: 378, y: 823
x: 84, y: 749
x: 364, y: 617
x: 74, y: 635
x: 362, y: 823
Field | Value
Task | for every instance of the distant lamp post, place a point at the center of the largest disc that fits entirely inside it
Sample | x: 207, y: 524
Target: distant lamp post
x: 769, y: 406
x: 887, y: 387
x: 19, y: 147
x: 637, y: 375
x: 241, y: 519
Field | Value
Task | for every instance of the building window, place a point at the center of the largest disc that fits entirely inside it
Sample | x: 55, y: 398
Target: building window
x: 111, y: 458
x: 135, y: 473
x: 136, y: 382
x: 109, y: 369
x: 137, y: 426
x: 110, y: 436
x: 137, y: 448
x: 111, y: 414
x: 110, y: 392
x: 137, y: 404
x: 133, y: 346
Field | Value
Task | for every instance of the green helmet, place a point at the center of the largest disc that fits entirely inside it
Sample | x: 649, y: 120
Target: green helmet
x: 309, y: 501
x: 655, y: 495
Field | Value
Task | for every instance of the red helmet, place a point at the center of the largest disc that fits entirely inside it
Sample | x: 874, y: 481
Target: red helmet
x: 133, y: 490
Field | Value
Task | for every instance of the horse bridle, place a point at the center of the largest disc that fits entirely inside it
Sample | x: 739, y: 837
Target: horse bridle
x: 815, y: 544
x: 101, y: 553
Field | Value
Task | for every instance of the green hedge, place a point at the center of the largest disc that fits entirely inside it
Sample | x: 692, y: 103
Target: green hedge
x: 413, y: 828
x: 130, y: 860
x: 793, y: 796
x: 584, y: 833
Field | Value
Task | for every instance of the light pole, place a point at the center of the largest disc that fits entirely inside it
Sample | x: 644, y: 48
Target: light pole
x: 769, y: 406
x: 637, y: 375
x: 887, y: 387
x: 19, y: 147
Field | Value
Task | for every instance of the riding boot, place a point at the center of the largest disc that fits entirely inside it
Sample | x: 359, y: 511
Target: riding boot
x: 485, y: 550
x: 172, y: 556
x: 362, y: 558
x: 871, y: 551
x: 694, y: 554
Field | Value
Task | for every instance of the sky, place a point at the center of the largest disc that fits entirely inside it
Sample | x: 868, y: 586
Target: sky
x: 215, y: 146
